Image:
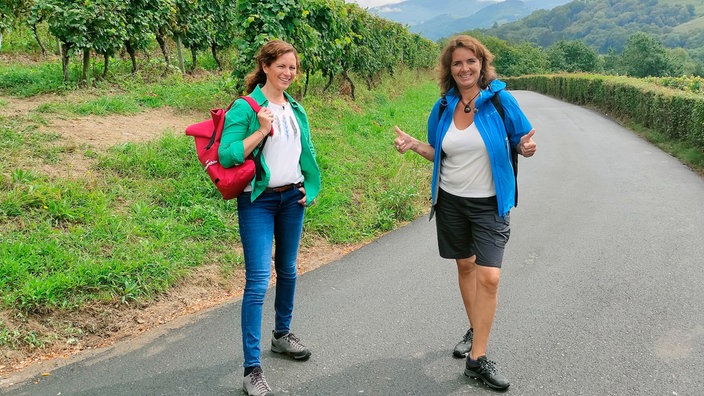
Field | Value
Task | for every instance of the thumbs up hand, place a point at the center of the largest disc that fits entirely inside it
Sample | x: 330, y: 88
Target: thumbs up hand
x: 527, y: 147
x: 403, y: 140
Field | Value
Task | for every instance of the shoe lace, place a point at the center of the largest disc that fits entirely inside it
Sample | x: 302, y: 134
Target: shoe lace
x: 488, y: 365
x: 468, y: 336
x: 259, y: 381
x: 294, y: 341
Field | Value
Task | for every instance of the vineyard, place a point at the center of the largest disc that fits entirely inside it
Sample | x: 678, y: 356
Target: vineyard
x: 332, y: 37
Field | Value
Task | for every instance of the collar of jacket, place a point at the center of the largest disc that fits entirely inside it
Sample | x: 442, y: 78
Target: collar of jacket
x: 484, y: 95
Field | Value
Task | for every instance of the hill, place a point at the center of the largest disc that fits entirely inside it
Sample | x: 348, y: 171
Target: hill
x: 607, y: 24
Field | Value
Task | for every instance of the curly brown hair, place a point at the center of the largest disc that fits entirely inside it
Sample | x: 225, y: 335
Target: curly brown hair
x: 267, y: 55
x: 488, y: 73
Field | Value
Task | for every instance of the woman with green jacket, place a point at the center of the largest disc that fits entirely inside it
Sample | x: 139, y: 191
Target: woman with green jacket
x: 272, y: 206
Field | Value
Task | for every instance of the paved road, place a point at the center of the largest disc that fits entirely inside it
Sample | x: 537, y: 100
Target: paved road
x: 601, y: 294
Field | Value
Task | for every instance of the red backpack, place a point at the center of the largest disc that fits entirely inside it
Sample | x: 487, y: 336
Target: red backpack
x: 229, y: 181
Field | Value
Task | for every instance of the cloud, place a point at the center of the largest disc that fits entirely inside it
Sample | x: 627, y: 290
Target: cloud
x: 389, y: 9
x: 374, y: 3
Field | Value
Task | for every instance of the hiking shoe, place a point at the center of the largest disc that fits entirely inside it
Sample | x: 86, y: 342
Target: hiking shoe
x: 290, y: 345
x: 485, y: 370
x: 463, y: 347
x: 254, y: 384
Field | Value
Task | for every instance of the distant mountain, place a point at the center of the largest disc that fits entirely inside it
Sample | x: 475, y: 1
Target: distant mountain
x: 413, y: 12
x: 435, y: 19
x: 496, y: 14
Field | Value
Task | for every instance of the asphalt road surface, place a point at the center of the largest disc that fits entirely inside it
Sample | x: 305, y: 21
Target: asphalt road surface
x: 601, y: 294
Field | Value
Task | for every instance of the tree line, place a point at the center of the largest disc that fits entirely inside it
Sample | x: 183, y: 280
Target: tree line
x: 334, y: 38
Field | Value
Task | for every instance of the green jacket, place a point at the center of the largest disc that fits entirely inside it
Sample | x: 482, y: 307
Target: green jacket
x: 241, y: 121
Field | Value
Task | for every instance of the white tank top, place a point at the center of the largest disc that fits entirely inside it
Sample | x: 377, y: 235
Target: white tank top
x: 465, y: 170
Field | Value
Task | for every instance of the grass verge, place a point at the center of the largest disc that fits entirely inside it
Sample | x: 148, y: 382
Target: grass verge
x: 144, y: 216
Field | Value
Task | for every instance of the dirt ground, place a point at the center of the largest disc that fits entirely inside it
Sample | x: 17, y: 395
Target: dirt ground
x: 102, y: 325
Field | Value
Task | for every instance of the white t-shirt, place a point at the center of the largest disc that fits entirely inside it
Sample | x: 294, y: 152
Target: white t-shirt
x: 282, y: 152
x: 466, y: 168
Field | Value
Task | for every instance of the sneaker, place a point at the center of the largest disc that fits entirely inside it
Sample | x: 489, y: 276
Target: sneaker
x: 255, y: 384
x: 463, y: 347
x: 290, y: 345
x: 485, y: 370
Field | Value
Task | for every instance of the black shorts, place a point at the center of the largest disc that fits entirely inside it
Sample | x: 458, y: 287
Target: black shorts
x: 471, y: 226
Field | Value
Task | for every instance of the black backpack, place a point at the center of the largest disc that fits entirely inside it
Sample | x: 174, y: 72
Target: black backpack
x: 500, y: 109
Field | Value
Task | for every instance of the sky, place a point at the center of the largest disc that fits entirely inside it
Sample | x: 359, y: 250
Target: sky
x: 373, y: 3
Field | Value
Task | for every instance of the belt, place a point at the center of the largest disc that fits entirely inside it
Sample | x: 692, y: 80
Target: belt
x: 283, y: 188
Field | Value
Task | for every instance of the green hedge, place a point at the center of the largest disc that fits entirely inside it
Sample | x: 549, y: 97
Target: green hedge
x: 678, y: 115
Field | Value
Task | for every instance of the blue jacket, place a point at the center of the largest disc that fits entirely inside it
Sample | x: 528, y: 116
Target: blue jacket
x: 492, y: 130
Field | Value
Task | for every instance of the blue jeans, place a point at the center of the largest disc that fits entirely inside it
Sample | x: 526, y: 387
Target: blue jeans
x: 276, y: 216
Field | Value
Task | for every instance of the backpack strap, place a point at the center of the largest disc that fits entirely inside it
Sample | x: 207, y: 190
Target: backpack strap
x: 496, y: 101
x: 255, y: 106
x: 443, y: 106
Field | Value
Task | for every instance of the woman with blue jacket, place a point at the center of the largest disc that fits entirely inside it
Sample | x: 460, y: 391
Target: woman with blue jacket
x: 473, y: 185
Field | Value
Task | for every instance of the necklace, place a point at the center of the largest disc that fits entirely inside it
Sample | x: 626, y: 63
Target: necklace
x: 272, y: 94
x: 467, y: 106
x: 282, y: 104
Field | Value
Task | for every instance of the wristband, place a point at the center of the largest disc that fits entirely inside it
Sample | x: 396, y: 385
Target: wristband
x: 263, y: 133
